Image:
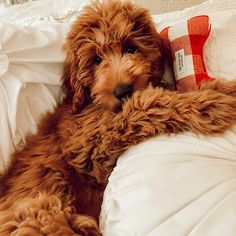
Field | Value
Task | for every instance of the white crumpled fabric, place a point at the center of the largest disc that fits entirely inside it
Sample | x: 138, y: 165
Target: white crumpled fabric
x: 30, y: 68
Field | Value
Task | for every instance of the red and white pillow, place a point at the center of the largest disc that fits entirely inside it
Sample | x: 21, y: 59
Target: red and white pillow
x: 187, y: 41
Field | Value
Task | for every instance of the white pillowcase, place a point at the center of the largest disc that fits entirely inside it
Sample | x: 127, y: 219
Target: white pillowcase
x: 179, y: 185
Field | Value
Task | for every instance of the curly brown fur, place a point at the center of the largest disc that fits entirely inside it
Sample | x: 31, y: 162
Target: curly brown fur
x: 55, y: 183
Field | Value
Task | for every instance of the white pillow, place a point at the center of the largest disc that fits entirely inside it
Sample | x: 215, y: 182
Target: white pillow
x: 183, y: 184
x: 173, y: 186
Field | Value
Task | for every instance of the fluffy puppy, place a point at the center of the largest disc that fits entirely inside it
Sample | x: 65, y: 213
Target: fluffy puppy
x: 115, y: 58
x: 113, y: 51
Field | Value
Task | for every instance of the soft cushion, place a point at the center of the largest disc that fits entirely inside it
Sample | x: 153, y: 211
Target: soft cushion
x: 187, y: 41
x: 173, y: 186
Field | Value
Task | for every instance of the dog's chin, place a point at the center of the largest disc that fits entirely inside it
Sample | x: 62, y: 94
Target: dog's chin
x: 117, y: 106
x: 114, y: 105
x: 110, y: 103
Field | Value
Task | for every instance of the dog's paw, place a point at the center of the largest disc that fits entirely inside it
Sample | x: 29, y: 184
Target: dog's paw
x: 84, y: 225
x: 41, y: 215
x: 222, y: 86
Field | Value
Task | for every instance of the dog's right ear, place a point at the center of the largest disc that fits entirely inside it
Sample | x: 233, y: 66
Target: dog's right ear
x: 166, y: 64
x: 77, y: 95
x: 144, y: 25
x: 163, y: 71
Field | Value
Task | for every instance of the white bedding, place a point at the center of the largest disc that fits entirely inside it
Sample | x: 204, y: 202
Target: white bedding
x: 179, y: 185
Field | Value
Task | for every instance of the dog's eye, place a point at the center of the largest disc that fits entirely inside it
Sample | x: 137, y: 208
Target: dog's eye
x: 131, y: 50
x: 97, y: 60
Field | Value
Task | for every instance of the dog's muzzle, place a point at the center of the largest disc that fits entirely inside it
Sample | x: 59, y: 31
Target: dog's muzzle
x: 123, y: 90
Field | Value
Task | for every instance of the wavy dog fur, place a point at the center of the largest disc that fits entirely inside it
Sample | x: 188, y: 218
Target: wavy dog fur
x: 55, y: 183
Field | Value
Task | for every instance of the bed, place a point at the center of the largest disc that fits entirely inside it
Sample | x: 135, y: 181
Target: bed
x: 178, y: 185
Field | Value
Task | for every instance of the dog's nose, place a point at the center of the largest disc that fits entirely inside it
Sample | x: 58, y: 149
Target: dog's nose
x: 123, y: 90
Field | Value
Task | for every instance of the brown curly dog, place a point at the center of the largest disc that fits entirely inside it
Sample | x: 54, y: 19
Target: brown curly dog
x: 55, y: 183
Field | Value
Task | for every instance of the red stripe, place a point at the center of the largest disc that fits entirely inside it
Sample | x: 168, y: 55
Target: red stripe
x: 164, y: 33
x: 198, y: 25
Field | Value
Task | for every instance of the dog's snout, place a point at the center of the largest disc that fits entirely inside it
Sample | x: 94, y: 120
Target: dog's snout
x: 123, y: 90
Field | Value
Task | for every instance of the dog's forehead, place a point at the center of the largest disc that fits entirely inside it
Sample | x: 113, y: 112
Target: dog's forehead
x: 112, y: 22
x: 111, y: 34
x: 113, y: 26
x: 113, y: 30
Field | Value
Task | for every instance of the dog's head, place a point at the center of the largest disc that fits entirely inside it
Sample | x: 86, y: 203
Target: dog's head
x: 113, y: 49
